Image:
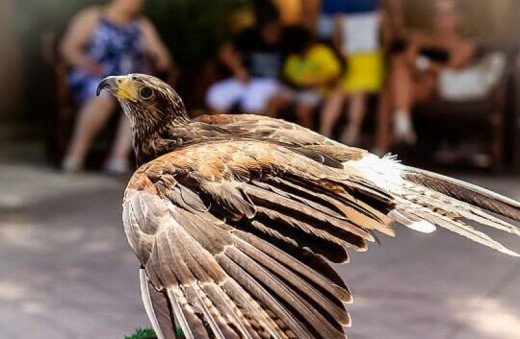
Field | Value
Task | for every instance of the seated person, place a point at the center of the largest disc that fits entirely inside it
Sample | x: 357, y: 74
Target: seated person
x: 103, y: 41
x: 310, y: 70
x: 415, y: 71
x: 255, y: 60
x: 357, y: 28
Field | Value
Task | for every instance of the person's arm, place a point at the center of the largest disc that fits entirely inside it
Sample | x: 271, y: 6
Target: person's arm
x: 231, y: 59
x: 416, y: 41
x: 310, y: 14
x: 462, y: 55
x: 77, y: 37
x: 155, y: 48
x: 338, y: 37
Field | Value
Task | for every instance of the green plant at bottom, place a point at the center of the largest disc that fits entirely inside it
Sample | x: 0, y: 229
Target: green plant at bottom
x: 140, y: 333
x: 148, y: 333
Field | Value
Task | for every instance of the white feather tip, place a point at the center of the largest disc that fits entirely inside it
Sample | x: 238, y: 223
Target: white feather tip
x: 422, y: 226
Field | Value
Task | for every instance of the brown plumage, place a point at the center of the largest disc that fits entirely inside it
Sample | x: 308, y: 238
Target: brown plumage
x: 235, y: 218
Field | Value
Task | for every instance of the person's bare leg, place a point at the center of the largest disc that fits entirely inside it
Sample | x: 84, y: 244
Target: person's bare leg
x: 425, y: 89
x: 331, y: 112
x: 118, y: 160
x: 91, y: 118
x: 274, y: 105
x: 402, y: 84
x: 304, y: 115
x: 356, y: 112
x: 384, y: 115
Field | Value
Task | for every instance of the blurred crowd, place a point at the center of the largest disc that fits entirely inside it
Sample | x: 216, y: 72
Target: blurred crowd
x: 323, y: 63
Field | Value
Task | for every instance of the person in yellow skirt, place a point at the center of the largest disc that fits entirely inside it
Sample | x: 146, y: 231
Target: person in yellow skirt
x: 356, y: 36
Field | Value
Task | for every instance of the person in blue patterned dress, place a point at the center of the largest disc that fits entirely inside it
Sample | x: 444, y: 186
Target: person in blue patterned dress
x: 102, y: 41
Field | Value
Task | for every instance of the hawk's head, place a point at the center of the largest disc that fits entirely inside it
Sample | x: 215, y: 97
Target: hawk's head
x: 148, y: 102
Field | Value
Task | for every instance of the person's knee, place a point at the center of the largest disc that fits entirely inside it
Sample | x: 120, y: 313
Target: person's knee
x: 256, y: 106
x: 216, y: 101
x: 222, y: 95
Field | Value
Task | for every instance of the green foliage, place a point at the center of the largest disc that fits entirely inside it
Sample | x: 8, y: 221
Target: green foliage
x: 193, y: 30
x: 148, y: 333
x: 142, y: 334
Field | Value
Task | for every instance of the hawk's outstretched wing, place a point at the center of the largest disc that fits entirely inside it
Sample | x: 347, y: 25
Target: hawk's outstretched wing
x: 233, y: 236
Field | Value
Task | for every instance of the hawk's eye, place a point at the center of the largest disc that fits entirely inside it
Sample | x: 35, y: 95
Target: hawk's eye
x: 146, y: 93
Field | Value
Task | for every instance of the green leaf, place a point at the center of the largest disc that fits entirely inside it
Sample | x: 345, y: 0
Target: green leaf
x: 148, y: 333
x: 193, y: 30
x: 142, y: 334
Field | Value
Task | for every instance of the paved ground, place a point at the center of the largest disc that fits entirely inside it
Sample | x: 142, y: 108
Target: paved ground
x: 67, y: 272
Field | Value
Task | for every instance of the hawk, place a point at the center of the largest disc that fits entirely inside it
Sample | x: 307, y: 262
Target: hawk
x: 235, y: 218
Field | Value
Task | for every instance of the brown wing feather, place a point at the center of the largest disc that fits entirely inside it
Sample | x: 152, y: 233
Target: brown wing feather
x: 464, y: 191
x: 258, y: 127
x: 422, y: 195
x: 233, y: 233
x: 193, y: 219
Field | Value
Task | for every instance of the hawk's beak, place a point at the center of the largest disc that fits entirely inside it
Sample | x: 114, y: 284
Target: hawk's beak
x: 119, y: 86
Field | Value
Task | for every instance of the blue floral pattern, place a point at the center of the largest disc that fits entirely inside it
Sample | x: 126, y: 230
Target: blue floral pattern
x: 117, y: 48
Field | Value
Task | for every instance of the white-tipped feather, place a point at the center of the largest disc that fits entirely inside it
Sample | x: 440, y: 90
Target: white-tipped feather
x: 509, y: 252
x: 384, y: 172
x: 421, y: 208
x: 423, y: 226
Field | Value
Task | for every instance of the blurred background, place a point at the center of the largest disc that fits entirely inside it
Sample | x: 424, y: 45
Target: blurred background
x: 435, y: 81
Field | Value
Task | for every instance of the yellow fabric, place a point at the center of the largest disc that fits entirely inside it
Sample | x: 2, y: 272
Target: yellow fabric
x: 365, y: 72
x: 318, y: 64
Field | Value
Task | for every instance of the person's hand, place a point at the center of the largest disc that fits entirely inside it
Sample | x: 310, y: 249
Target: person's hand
x: 242, y: 75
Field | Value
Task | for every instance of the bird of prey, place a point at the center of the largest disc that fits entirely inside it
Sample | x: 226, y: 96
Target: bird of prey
x: 235, y: 219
